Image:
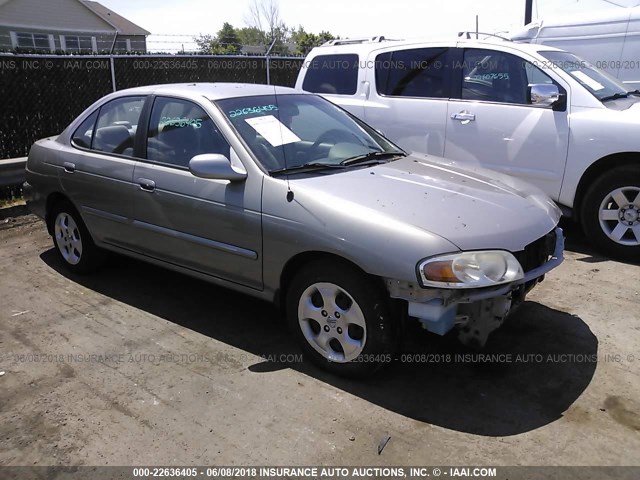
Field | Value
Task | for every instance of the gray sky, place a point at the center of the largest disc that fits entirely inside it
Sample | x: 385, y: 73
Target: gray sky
x: 346, y: 18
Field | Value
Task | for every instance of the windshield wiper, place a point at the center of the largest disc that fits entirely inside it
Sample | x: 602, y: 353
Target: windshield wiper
x: 615, y: 96
x: 306, y: 166
x: 634, y: 92
x: 367, y: 157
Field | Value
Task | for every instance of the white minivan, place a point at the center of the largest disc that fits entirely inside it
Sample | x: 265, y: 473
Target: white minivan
x: 531, y: 111
x: 609, y: 39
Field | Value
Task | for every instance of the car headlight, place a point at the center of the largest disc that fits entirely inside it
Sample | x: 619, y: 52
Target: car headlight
x: 470, y: 269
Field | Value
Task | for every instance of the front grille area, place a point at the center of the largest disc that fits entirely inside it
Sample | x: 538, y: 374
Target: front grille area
x: 537, y: 253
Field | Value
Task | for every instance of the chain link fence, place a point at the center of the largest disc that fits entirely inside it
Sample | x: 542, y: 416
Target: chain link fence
x: 41, y: 94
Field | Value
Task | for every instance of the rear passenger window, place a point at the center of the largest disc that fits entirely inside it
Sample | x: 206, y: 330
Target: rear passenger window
x: 116, y: 127
x: 179, y: 130
x: 418, y: 72
x: 336, y: 74
x: 84, y: 133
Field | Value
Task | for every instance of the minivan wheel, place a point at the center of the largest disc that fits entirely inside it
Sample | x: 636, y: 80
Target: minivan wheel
x: 72, y: 240
x: 611, y: 213
x: 341, y: 318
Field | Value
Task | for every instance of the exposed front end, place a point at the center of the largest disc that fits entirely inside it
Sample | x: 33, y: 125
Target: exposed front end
x: 478, y: 311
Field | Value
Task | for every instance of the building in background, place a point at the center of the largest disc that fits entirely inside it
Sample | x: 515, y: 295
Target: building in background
x: 67, y: 26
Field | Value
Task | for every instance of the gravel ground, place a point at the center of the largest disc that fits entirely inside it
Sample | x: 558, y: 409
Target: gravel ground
x: 135, y: 365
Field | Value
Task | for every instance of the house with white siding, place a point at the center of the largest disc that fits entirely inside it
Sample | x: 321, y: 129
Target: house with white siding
x: 67, y: 26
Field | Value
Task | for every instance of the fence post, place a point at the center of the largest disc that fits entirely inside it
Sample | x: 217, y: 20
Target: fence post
x: 268, y: 76
x: 113, y: 73
x: 266, y: 58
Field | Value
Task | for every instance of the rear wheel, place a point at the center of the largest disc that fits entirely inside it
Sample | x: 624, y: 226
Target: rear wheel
x: 72, y: 240
x: 611, y: 213
x: 341, y: 318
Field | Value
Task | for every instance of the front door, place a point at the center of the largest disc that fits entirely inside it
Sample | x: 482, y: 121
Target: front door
x: 209, y: 226
x: 493, y: 124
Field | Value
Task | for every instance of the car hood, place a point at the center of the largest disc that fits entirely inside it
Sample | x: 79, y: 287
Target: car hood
x: 473, y: 208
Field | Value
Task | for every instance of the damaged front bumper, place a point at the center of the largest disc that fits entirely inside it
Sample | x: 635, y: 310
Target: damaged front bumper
x: 476, y: 312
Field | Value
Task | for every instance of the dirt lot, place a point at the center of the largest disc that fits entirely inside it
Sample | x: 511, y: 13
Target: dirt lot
x: 135, y: 365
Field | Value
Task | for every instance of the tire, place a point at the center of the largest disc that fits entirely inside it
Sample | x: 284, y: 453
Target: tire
x: 72, y: 240
x: 356, y: 336
x: 611, y: 213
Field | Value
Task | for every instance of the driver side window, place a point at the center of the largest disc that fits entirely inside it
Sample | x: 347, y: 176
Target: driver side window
x: 494, y: 76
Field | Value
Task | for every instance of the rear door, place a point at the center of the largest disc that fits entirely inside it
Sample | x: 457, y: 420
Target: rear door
x: 97, y: 172
x: 492, y: 122
x: 209, y: 226
x: 408, y: 96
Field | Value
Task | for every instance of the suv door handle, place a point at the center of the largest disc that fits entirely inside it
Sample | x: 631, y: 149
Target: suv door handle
x: 464, y: 116
x: 146, y: 184
x: 69, y: 167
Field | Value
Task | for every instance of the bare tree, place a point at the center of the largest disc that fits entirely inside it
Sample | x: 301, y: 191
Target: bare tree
x: 265, y: 16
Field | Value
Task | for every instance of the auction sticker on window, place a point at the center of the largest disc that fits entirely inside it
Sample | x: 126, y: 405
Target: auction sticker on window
x: 587, y: 80
x: 272, y: 130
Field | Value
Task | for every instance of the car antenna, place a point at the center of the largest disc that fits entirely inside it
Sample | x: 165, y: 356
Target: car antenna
x: 284, y: 152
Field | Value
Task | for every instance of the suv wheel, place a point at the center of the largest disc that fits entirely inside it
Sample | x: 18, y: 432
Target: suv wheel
x: 341, y: 318
x: 611, y: 213
x: 72, y: 240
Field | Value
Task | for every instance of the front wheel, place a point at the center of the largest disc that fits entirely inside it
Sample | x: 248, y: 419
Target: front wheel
x: 341, y: 318
x: 611, y: 213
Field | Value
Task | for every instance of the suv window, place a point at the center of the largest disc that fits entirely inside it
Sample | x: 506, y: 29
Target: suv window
x: 336, y: 74
x: 494, y: 76
x: 180, y: 130
x: 418, y: 72
x: 116, y: 127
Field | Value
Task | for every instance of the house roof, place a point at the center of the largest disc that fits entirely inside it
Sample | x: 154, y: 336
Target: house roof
x: 121, y: 24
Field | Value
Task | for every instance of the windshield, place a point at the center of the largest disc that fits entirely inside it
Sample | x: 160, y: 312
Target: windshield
x: 294, y: 132
x: 600, y: 84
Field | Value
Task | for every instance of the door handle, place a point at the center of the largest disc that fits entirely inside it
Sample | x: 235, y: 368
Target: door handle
x: 367, y: 90
x: 464, y: 117
x: 69, y: 167
x: 146, y: 184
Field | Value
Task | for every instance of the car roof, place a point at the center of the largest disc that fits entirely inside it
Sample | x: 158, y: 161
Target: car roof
x: 367, y: 47
x: 211, y: 91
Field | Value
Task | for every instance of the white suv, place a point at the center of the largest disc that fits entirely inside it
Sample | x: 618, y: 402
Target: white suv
x: 531, y: 111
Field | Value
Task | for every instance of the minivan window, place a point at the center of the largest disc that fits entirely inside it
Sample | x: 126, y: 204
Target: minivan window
x: 599, y: 83
x: 337, y: 74
x: 418, y: 72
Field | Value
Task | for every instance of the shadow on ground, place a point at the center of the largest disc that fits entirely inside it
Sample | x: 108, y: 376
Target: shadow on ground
x: 576, y: 241
x: 438, y: 387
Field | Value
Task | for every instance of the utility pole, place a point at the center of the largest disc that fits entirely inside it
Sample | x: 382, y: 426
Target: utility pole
x: 528, y: 11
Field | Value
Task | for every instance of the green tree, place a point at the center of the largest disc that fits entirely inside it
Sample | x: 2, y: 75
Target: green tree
x: 305, y: 41
x: 226, y: 42
x: 251, y: 36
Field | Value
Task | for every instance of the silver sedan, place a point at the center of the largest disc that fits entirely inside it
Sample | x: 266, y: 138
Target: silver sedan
x: 284, y: 196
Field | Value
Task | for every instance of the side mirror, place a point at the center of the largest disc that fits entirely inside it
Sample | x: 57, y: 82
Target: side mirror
x: 543, y: 94
x: 215, y: 166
